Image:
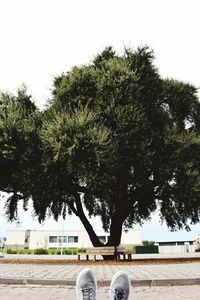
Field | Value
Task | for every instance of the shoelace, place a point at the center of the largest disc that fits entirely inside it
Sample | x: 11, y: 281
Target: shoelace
x: 88, y: 294
x: 120, y: 294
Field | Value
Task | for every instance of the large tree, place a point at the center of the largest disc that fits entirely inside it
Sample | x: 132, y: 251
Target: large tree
x: 116, y: 140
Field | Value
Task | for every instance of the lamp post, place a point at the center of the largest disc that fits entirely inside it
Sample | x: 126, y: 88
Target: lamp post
x: 61, y: 250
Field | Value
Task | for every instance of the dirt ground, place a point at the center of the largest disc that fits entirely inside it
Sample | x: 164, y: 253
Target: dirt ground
x: 145, y: 261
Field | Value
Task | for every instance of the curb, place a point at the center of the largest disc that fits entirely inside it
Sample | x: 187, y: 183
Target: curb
x: 102, y: 283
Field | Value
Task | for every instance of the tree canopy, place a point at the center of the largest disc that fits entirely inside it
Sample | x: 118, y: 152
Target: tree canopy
x: 116, y: 140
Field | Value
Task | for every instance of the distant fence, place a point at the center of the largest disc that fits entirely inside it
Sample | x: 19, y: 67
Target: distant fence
x: 146, y: 249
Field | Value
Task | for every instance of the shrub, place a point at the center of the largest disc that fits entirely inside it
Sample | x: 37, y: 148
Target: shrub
x: 52, y: 251
x: 74, y: 251
x: 29, y: 251
x: 10, y: 251
x: 21, y: 251
x: 67, y: 251
x: 130, y: 250
x: 40, y: 251
x: 148, y: 243
x: 83, y: 250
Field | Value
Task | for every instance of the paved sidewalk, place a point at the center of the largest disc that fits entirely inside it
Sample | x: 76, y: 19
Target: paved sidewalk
x: 68, y: 293
x: 57, y: 282
x: 140, y: 275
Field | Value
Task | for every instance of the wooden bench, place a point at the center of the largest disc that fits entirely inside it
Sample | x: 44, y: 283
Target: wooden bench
x: 107, y: 251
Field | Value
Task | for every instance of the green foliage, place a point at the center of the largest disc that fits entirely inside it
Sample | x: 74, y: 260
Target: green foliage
x: 21, y: 251
x: 115, y: 139
x: 24, y: 251
x: 58, y: 252
x: 18, y: 251
x: 81, y: 250
x: 10, y: 251
x: 148, y: 243
x: 73, y: 251
x: 52, y: 251
x: 130, y: 250
x: 18, y: 147
x: 41, y: 251
x: 29, y: 251
x: 67, y: 251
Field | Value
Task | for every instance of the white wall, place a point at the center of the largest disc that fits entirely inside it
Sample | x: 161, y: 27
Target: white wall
x: 132, y: 237
x: 15, y: 238
x: 175, y: 249
x: 40, y: 239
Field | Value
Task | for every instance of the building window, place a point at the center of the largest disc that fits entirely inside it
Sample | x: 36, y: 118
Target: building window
x: 53, y: 239
x: 72, y: 239
x: 102, y: 238
x: 64, y: 240
x: 27, y: 239
x: 180, y: 243
x: 167, y: 244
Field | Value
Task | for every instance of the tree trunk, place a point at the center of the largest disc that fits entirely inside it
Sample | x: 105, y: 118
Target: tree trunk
x: 88, y: 227
x: 115, y: 230
x: 115, y: 234
x: 120, y: 214
x: 92, y: 235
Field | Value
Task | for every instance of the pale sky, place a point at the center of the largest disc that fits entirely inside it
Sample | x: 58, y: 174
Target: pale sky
x: 40, y: 39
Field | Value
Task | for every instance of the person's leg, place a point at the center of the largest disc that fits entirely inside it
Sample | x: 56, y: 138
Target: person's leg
x: 120, y: 286
x: 86, y: 285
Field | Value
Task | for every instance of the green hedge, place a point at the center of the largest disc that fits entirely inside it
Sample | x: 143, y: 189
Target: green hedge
x: 18, y: 251
x: 41, y: 251
x: 10, y: 251
x: 130, y: 250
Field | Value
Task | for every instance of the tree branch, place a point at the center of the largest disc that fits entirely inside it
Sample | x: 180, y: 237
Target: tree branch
x: 19, y: 196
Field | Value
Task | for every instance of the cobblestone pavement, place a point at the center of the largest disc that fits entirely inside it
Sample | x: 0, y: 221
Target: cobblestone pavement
x: 12, y: 292
x: 103, y: 272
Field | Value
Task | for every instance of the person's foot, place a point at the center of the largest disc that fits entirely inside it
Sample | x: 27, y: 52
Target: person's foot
x: 86, y: 285
x: 120, y: 286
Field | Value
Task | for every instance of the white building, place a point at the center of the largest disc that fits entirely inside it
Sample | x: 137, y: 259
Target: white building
x: 176, y: 247
x: 34, y: 239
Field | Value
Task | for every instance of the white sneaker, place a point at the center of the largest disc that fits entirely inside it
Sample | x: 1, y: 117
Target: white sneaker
x: 120, y: 286
x: 86, y: 285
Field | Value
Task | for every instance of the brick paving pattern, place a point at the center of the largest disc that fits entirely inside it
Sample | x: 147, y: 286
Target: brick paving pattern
x: 69, y: 272
x: 103, y: 272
